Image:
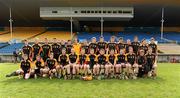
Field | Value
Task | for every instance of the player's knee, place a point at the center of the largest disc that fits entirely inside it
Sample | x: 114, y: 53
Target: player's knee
x: 54, y: 71
x: 27, y: 75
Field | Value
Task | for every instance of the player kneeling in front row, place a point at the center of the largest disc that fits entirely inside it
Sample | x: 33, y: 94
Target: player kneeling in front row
x: 141, y: 61
x: 101, y: 62
x: 131, y: 63
x: 25, y: 68
x: 120, y: 67
x: 50, y: 67
x: 109, y: 67
x: 64, y: 65
x: 151, y: 63
x: 92, y: 57
x: 39, y: 66
x: 83, y: 63
x: 72, y: 63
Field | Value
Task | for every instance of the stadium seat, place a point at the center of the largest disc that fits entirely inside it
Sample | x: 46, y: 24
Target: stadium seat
x: 21, y: 33
x: 10, y: 48
x: 60, y: 35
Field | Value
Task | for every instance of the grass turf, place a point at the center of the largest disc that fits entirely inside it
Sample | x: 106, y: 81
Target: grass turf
x: 167, y: 85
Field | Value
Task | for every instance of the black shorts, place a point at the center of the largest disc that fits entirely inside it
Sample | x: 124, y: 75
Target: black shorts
x: 56, y: 56
x: 150, y: 66
x: 37, y: 71
x: 45, y: 57
x: 64, y: 64
x: 147, y: 68
x: 91, y: 65
x: 141, y: 72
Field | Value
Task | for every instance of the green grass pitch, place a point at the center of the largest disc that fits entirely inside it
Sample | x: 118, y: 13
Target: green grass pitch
x: 167, y: 85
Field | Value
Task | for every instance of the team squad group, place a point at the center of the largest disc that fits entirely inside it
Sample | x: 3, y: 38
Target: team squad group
x: 88, y: 60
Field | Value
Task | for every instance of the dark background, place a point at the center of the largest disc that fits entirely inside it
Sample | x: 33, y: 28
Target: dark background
x: 147, y: 12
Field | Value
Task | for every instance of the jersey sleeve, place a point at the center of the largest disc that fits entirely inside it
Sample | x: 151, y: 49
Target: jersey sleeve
x: 107, y: 57
x: 126, y: 57
x: 42, y: 61
x: 87, y: 58
x: 96, y: 58
x: 67, y: 60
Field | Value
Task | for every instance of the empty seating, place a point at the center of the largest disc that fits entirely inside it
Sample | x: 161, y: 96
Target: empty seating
x: 21, y: 33
x: 10, y: 48
x: 3, y: 44
x: 60, y: 35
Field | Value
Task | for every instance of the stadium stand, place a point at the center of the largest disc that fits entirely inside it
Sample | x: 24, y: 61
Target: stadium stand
x: 10, y: 48
x: 60, y: 35
x: 3, y: 45
x: 169, y: 48
x: 21, y: 33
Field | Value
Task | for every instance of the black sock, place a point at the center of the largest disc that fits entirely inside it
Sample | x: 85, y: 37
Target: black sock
x: 13, y: 74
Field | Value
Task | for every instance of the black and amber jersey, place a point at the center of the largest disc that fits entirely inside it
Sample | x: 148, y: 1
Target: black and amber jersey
x: 51, y: 63
x: 131, y: 58
x: 135, y: 46
x: 82, y: 59
x: 92, y: 59
x: 39, y: 64
x: 46, y: 49
x: 154, y: 47
x: 25, y: 65
x: 36, y: 49
x: 86, y: 47
x: 102, y: 45
x: 111, y: 59
x: 151, y: 58
x: 121, y: 58
x: 27, y: 50
x: 73, y: 58
x: 69, y: 47
x: 102, y: 59
x: 144, y: 47
x: 56, y: 48
x: 141, y: 60
x: 127, y: 47
x: 63, y: 59
x: 94, y: 46
x: 111, y: 46
x: 121, y: 46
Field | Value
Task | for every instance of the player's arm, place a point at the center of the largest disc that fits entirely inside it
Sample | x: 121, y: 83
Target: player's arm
x: 42, y: 61
x: 126, y: 59
x: 115, y: 59
x: 49, y: 50
x: 105, y: 46
x: 40, y: 50
x: 30, y: 51
x: 135, y: 61
x: 77, y: 59
x: 59, y: 59
x: 32, y: 66
x: 107, y: 59
x: 107, y: 49
x: 145, y: 60
x: 67, y: 60
x: 45, y: 64
x: 96, y: 58
x: 87, y: 59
